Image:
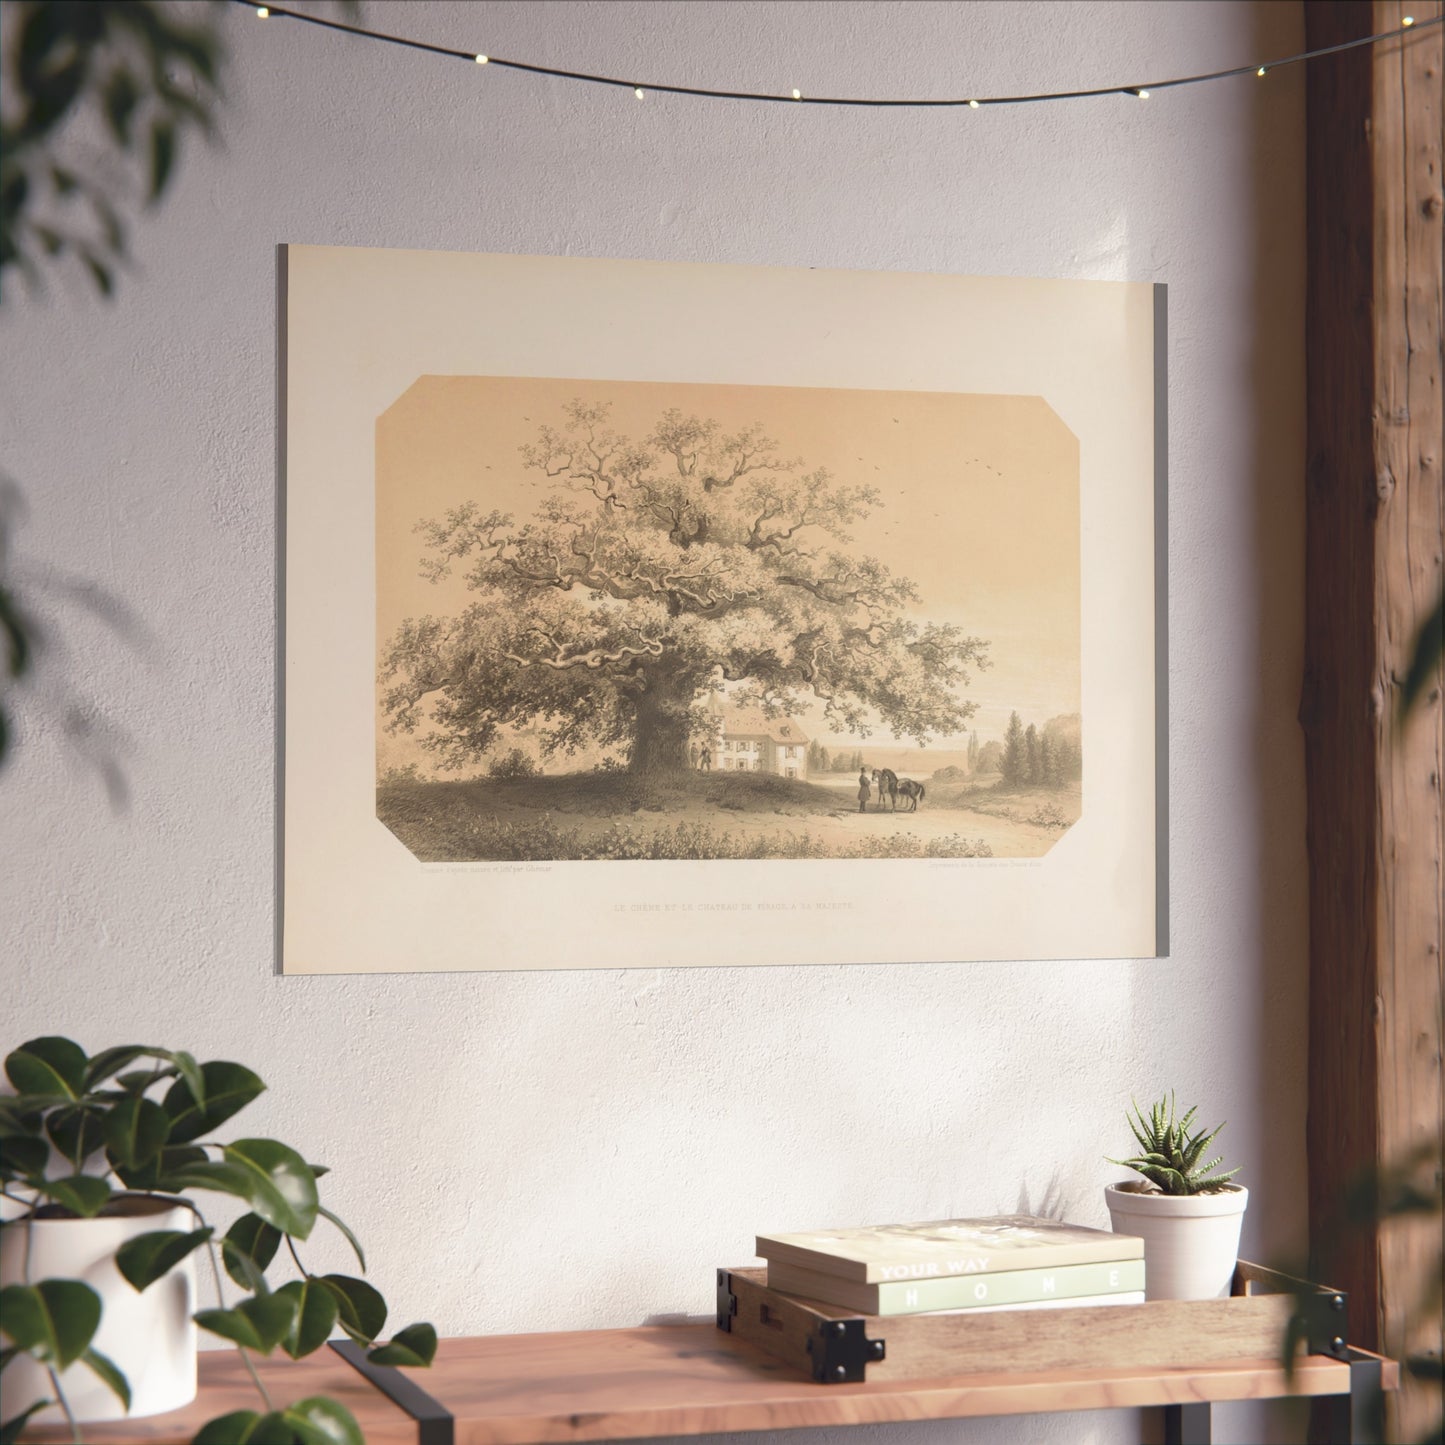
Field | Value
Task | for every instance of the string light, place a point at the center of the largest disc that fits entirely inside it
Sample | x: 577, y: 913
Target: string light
x: 1141, y: 91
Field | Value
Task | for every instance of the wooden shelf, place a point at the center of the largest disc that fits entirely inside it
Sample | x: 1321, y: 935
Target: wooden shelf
x: 690, y: 1380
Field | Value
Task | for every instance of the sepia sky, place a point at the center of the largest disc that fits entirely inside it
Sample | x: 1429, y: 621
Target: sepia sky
x: 980, y: 493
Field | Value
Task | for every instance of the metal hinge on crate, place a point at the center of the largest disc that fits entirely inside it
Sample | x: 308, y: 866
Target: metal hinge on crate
x: 727, y: 1301
x: 1326, y: 1323
x: 841, y: 1352
x: 1322, y: 1318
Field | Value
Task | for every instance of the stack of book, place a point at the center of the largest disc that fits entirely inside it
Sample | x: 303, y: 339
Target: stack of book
x: 1013, y: 1261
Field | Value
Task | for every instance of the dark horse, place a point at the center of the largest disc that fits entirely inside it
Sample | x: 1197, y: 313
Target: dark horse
x: 886, y: 781
x: 912, y: 791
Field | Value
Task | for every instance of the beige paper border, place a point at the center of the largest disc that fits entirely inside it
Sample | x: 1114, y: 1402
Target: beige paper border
x: 361, y: 325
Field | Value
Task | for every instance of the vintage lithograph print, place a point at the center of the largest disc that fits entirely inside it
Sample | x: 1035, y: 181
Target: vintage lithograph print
x: 644, y: 620
x: 620, y: 634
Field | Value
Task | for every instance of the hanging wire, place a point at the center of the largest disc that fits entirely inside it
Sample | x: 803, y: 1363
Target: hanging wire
x: 639, y: 88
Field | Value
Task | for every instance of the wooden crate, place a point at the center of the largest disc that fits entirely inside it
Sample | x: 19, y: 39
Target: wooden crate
x: 836, y: 1345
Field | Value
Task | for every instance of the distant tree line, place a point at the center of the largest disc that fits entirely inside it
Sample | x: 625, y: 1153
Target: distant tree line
x: 1043, y: 758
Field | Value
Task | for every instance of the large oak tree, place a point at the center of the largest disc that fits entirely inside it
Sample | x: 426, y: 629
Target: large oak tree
x: 652, y: 571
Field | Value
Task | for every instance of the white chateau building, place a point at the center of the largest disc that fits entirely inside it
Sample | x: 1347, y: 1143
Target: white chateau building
x: 747, y: 742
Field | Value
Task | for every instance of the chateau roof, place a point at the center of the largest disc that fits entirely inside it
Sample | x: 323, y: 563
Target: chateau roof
x: 750, y: 723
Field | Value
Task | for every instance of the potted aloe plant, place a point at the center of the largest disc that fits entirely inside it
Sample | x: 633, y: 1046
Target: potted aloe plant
x: 102, y: 1159
x: 1186, y: 1211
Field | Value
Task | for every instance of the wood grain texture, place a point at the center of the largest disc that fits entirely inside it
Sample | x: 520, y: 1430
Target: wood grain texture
x: 1373, y: 569
x: 1409, y: 541
x: 695, y: 1379
x: 689, y: 1380
x: 1155, y: 1335
x: 225, y: 1386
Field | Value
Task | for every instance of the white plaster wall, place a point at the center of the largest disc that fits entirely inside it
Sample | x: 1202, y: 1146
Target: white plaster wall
x: 533, y: 1151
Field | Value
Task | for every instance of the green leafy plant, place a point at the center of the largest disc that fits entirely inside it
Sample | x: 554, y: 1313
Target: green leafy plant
x: 1171, y: 1153
x: 82, y: 1134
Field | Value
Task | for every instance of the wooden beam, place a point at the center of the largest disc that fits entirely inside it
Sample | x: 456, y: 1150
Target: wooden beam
x: 1374, y: 545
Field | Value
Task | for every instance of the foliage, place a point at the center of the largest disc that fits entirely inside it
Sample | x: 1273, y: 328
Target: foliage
x: 990, y: 757
x: 135, y: 76
x: 515, y: 764
x: 146, y: 72
x: 82, y: 1134
x: 1012, y: 763
x: 652, y: 570
x: 1171, y: 1155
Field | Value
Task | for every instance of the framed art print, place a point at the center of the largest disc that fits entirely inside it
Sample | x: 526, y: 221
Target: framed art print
x: 642, y: 614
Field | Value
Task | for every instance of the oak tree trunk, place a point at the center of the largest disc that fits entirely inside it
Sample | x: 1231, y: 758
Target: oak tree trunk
x: 660, y: 730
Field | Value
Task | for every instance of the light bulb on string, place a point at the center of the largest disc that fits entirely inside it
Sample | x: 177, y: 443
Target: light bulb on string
x: 1139, y: 92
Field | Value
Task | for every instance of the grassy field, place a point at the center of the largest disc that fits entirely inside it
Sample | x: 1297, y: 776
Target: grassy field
x: 613, y: 815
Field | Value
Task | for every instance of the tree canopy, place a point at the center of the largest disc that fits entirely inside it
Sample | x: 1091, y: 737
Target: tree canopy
x: 652, y: 571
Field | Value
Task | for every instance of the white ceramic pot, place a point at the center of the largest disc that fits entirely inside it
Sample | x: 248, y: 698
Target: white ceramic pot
x: 1191, y: 1241
x: 150, y: 1336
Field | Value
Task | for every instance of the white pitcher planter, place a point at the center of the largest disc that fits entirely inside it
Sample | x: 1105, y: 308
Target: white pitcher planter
x: 149, y: 1336
x: 1191, y: 1241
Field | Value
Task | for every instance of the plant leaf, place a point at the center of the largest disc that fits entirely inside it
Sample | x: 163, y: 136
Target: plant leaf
x: 54, y: 1320
x: 149, y: 1257
x: 316, y: 1311
x: 155, y: 1174
x: 20, y: 1157
x: 136, y: 1130
x: 259, y: 1323
x: 245, y: 1427
x: 351, y: 1239
x: 319, y: 1421
x: 110, y: 1374
x: 415, y: 1345
x: 111, y: 1061
x: 49, y: 1065
x: 361, y: 1309
x: 282, y: 1187
x: 248, y: 1248
x: 11, y: 1430
x: 84, y: 1194
x: 227, y: 1089
x: 76, y: 1131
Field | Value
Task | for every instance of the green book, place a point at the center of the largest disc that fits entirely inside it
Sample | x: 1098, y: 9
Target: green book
x: 961, y: 1292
